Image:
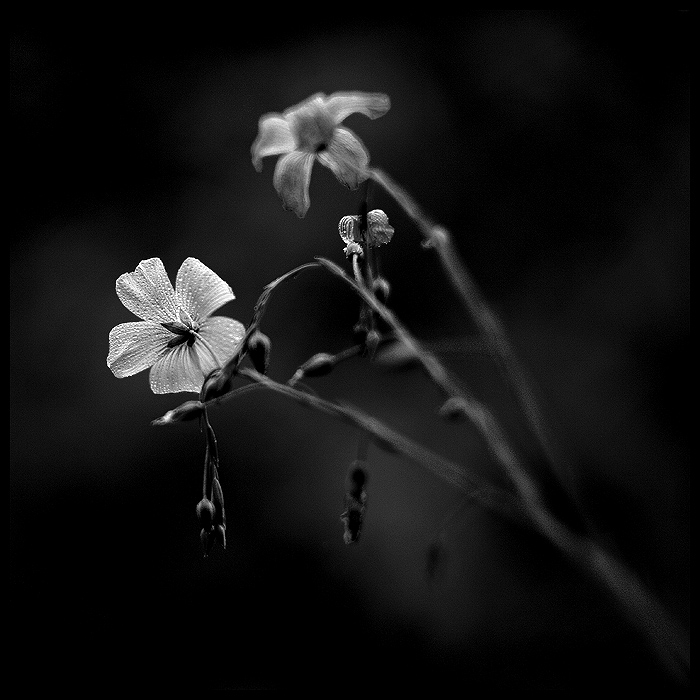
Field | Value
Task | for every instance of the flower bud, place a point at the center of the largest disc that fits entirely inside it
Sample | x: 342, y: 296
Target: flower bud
x: 355, y: 501
x: 259, y: 351
x: 206, y: 513
x: 372, y: 340
x: 318, y: 365
x: 454, y: 409
x: 185, y: 411
x: 356, y: 479
x: 216, y: 384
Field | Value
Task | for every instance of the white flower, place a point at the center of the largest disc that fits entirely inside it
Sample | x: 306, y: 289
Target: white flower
x: 178, y: 337
x: 311, y: 131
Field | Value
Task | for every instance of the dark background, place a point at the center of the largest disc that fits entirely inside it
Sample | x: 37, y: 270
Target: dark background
x: 555, y: 147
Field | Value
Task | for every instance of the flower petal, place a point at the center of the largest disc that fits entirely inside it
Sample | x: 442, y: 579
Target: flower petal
x: 291, y: 180
x: 199, y: 291
x: 185, y: 367
x: 136, y: 346
x: 223, y: 334
x: 346, y: 157
x: 147, y: 292
x: 179, y: 370
x: 274, y: 138
x: 372, y: 104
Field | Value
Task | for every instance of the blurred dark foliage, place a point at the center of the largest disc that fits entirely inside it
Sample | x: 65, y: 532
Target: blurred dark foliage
x: 553, y: 144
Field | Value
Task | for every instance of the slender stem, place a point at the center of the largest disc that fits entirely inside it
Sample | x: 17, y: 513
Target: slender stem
x: 390, y: 440
x: 640, y: 606
x: 667, y: 638
x: 490, y: 326
x: 480, y: 416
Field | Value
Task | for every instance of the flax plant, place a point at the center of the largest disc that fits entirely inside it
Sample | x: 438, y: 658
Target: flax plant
x: 218, y: 358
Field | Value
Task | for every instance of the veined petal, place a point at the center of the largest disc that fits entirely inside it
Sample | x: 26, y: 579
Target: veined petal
x: 147, y: 292
x: 179, y: 370
x: 372, y: 104
x: 223, y: 335
x: 346, y: 157
x: 136, y: 346
x: 274, y: 138
x: 291, y: 180
x: 199, y: 291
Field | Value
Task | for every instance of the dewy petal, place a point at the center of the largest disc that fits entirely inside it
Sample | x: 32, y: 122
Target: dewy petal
x: 372, y: 104
x: 291, y: 180
x: 136, y: 346
x: 199, y: 291
x: 147, y: 292
x: 223, y: 334
x: 179, y: 370
x: 346, y: 157
x: 274, y: 138
x: 185, y: 367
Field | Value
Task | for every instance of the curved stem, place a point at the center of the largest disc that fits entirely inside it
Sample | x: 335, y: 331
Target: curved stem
x: 640, y: 606
x: 489, y: 324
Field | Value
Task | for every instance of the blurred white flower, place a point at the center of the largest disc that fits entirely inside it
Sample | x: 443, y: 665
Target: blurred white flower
x: 311, y: 131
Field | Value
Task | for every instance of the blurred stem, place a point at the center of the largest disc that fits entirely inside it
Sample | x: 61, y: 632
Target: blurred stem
x: 669, y: 641
x: 479, y: 415
x: 644, y: 611
x: 489, y: 324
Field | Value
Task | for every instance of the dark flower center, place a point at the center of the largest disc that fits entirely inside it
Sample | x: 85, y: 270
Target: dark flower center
x: 183, y: 333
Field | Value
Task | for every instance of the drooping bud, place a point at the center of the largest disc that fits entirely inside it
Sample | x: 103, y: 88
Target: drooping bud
x: 206, y: 513
x: 356, y: 479
x: 355, y: 502
x: 259, y: 351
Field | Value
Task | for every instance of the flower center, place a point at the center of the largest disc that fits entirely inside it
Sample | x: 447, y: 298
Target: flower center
x: 185, y: 330
x: 312, y: 127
